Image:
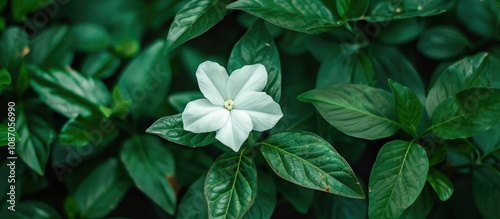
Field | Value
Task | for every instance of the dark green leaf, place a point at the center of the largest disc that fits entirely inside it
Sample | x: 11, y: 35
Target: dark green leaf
x: 345, y: 64
x: 5, y: 135
x: 389, y: 10
x: 486, y: 190
x: 151, y: 166
x: 329, y: 206
x: 194, y: 19
x: 21, y: 8
x: 479, y: 17
x: 231, y: 185
x: 34, y: 124
x: 102, y: 190
x: 299, y: 197
x: 193, y: 204
x: 488, y: 140
x: 257, y: 46
x: 146, y: 79
x: 436, y: 151
x: 52, y: 48
x: 68, y: 92
x: 81, y: 131
x: 397, y: 178
x: 356, y: 110
x: 5, y: 79
x: 308, y: 16
x: 181, y: 99
x: 351, y: 9
x: 170, y: 128
x: 12, y: 44
x: 401, y: 31
x: 70, y: 207
x: 442, y: 42
x: 100, y: 65
x: 441, y: 184
x: 265, y: 201
x: 467, y: 73
x: 469, y: 112
x: 31, y: 210
x: 309, y: 161
x: 89, y: 37
x: 408, y: 107
x: 421, y: 207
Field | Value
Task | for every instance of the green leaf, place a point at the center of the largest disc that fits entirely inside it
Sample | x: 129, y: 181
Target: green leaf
x: 231, y: 185
x: 356, y: 110
x: 101, y: 191
x: 21, y: 8
x: 194, y: 19
x: 309, y: 161
x: 352, y: 9
x: 52, y: 47
x: 181, y: 99
x: 70, y: 207
x: 257, y: 46
x: 442, y: 42
x: 90, y: 37
x: 300, y: 198
x: 151, y: 166
x: 488, y: 140
x: 421, y: 207
x: 408, y: 107
x: 68, y: 92
x: 441, y: 184
x: 100, y: 65
x: 308, y: 16
x: 469, y: 112
x: 390, y: 10
x: 36, y: 131
x: 345, y: 64
x: 146, y: 79
x: 479, y: 17
x: 5, y: 134
x: 397, y: 178
x: 329, y: 206
x: 401, y: 31
x: 486, y: 190
x: 12, y: 44
x: 170, y: 128
x: 5, y: 79
x: 31, y: 210
x: 467, y: 73
x: 193, y: 204
x: 436, y: 152
x: 81, y: 131
x: 265, y: 202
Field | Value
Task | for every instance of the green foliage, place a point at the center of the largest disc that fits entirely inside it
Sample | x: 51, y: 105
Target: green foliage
x: 407, y: 93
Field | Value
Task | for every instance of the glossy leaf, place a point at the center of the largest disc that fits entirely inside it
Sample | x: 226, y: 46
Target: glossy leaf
x: 308, y: 16
x: 90, y: 37
x: 469, y: 112
x: 52, y: 47
x: 12, y: 42
x: 309, y: 161
x: 257, y: 46
x: 102, y: 190
x: 34, y: 124
x: 408, y: 107
x: 351, y: 9
x: 486, y: 190
x: 442, y: 42
x: 170, y: 128
x: 193, y: 204
x: 231, y: 185
x: 356, y: 110
x: 345, y: 65
x: 421, y: 207
x: 152, y: 169
x: 68, y: 92
x: 401, y: 31
x: 195, y: 18
x: 100, y: 65
x: 265, y: 202
x: 467, y: 73
x: 390, y: 10
x: 397, y: 178
x: 31, y: 210
x: 441, y: 184
x: 488, y: 140
x: 146, y: 79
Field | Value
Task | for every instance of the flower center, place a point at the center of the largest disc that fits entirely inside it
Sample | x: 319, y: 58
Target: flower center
x: 229, y: 104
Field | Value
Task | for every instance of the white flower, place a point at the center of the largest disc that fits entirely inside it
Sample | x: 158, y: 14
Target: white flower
x: 234, y: 105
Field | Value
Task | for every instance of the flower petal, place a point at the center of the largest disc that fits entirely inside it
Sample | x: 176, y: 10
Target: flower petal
x: 247, y: 78
x: 261, y: 108
x: 212, y: 79
x: 235, y: 131
x: 201, y: 116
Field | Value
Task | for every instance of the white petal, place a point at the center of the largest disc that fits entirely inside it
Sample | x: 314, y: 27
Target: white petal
x: 261, y: 108
x: 212, y: 79
x: 201, y: 116
x: 235, y: 131
x: 247, y: 78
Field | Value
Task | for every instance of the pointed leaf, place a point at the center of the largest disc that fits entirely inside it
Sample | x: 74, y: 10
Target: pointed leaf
x: 308, y: 16
x: 408, y: 107
x: 309, y: 161
x: 356, y: 110
x: 257, y: 46
x: 441, y: 184
x: 352, y: 9
x: 170, y: 128
x: 151, y: 167
x: 397, y: 178
x: 469, y: 112
x: 442, y: 42
x: 195, y: 18
x: 231, y: 185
